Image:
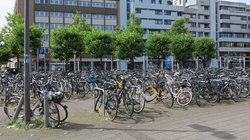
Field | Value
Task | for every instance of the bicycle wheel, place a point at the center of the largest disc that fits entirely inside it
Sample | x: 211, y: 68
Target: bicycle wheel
x: 233, y: 91
x: 210, y: 95
x: 167, y: 99
x: 98, y: 101
x: 244, y: 90
x: 138, y: 100
x: 111, y: 107
x: 149, y: 94
x: 11, y: 107
x: 63, y: 112
x: 184, y: 97
x: 128, y: 104
x: 54, y: 116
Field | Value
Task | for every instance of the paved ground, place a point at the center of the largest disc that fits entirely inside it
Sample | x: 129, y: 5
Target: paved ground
x: 226, y: 120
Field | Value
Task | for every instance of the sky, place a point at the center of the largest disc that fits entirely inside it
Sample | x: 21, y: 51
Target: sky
x: 7, y: 6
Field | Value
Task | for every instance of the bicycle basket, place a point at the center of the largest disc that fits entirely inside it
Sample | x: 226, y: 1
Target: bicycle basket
x: 56, y: 97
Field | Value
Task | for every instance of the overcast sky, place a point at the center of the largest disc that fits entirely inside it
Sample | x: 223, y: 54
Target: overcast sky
x: 7, y: 6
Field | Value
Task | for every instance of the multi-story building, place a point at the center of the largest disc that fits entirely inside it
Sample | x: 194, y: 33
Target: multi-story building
x: 228, y: 23
x: 51, y: 14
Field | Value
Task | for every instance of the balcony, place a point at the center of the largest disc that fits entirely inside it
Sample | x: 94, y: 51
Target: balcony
x: 223, y: 39
x: 233, y: 49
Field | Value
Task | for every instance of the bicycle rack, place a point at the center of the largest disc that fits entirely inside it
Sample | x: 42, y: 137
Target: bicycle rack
x: 103, y: 91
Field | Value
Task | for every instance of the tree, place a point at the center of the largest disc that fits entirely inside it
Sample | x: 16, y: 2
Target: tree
x: 64, y: 42
x: 129, y: 42
x: 157, y: 46
x: 178, y: 26
x: 79, y: 24
x: 4, y: 51
x: 129, y: 45
x: 182, y: 47
x: 99, y: 43
x: 204, y: 49
x: 13, y: 36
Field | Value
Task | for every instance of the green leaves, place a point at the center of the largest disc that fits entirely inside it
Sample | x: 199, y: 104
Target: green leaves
x: 182, y: 46
x: 64, y: 42
x: 99, y: 43
x: 204, y: 48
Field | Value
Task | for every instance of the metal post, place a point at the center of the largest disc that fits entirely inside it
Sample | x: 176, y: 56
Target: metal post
x: 26, y: 64
x: 143, y: 62
x: 46, y: 110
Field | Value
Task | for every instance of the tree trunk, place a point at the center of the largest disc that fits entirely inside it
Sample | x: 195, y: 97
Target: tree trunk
x: 101, y: 65
x: 132, y: 64
x: 158, y: 62
x: 111, y: 68
x: 80, y: 65
x: 18, y: 62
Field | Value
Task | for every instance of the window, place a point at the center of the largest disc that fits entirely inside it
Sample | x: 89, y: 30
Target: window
x: 98, y: 4
x: 244, y: 18
x: 110, y: 17
x: 160, y: 1
x: 158, y: 21
x: 42, y: 25
x: 42, y: 1
x: 225, y: 25
x: 56, y: 14
x: 69, y: 15
x: 244, y: 26
x: 192, y: 24
x: 167, y: 22
x: 179, y: 14
x: 206, y: 25
x: 97, y: 16
x: 226, y: 35
x: 110, y: 5
x: 239, y: 35
x: 57, y: 2
x: 98, y: 27
x: 192, y: 16
x: 200, y: 34
x: 85, y: 15
x: 206, y: 7
x: 166, y: 12
x: 153, y: 1
x: 141, y: 1
x: 55, y: 25
x: 41, y: 14
x: 170, y: 3
x: 70, y: 2
x: 223, y: 8
x: 109, y: 28
x: 158, y: 12
x: 206, y: 17
x: 206, y: 34
x: 138, y: 10
x: 225, y: 16
x: 45, y: 37
x: 84, y: 3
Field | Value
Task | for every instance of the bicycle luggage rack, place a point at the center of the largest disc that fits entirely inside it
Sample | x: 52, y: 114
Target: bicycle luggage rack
x: 101, y: 90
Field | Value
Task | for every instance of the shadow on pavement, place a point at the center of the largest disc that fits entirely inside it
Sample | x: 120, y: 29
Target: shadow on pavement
x: 219, y: 134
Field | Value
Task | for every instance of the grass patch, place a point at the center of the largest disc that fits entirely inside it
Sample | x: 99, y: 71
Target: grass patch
x: 38, y: 123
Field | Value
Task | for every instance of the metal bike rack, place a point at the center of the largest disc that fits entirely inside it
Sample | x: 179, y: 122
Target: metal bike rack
x: 103, y: 91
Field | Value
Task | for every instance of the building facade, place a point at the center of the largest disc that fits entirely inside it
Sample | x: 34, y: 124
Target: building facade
x: 228, y: 23
x: 51, y: 14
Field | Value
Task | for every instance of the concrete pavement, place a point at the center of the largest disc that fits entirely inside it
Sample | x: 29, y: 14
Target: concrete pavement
x: 227, y: 120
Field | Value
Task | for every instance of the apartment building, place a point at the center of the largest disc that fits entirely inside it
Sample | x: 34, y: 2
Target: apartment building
x: 228, y: 23
x: 51, y: 14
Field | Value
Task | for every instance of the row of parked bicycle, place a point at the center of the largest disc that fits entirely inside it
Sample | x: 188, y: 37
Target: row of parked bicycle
x: 128, y: 91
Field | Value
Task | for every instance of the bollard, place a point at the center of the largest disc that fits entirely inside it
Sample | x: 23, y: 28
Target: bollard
x: 46, y: 110
x: 103, y: 101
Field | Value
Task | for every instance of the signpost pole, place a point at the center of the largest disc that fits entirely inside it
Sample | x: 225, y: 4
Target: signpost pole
x: 26, y: 64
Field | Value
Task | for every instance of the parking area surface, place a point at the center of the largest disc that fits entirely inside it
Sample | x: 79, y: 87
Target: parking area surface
x: 226, y: 120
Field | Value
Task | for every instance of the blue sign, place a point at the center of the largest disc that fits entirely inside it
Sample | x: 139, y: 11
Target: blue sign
x: 41, y: 51
x: 168, y: 61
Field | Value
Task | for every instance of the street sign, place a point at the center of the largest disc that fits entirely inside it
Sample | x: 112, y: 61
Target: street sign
x: 41, y: 53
